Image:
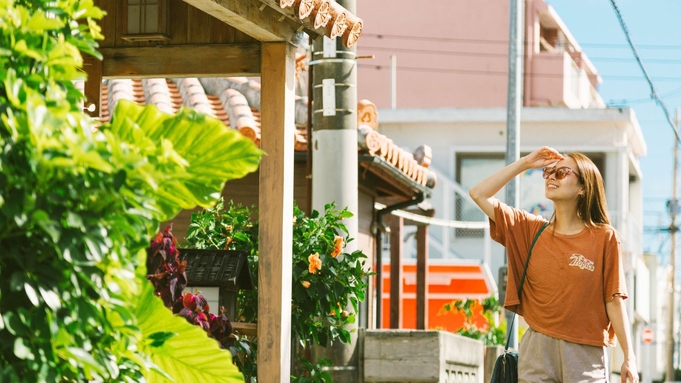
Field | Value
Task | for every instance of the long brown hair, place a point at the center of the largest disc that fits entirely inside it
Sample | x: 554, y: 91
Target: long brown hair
x: 592, y: 207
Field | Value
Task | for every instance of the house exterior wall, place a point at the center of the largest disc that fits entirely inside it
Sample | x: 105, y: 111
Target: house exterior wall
x: 455, y: 74
x: 455, y: 54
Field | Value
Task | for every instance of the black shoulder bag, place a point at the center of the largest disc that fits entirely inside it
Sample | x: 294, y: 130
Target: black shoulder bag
x: 506, y: 366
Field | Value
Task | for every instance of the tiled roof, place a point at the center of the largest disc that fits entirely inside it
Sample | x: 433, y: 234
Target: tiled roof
x: 236, y: 102
x: 324, y: 17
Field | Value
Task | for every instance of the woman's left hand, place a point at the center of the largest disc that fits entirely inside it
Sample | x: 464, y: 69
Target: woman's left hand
x: 628, y: 371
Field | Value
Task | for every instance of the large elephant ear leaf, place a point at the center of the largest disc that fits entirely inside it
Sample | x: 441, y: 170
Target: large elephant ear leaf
x: 194, y: 154
x: 180, y: 350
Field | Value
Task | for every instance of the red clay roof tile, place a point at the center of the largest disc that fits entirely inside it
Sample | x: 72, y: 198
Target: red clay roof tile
x: 236, y: 101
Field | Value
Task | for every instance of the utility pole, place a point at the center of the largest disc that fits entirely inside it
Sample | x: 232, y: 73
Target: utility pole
x: 334, y: 165
x: 673, y: 207
x: 514, y: 106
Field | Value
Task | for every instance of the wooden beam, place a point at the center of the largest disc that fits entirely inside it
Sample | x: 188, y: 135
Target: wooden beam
x: 396, y: 226
x: 93, y: 86
x: 276, y: 212
x: 264, y: 24
x: 422, y: 278
x: 182, y: 61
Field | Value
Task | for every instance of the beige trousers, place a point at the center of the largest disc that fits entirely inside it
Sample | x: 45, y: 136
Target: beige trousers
x: 546, y: 359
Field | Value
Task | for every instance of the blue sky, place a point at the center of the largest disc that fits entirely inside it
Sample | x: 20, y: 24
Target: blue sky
x: 656, y: 30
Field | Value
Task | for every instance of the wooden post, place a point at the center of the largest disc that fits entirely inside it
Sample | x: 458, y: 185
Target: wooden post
x: 276, y: 213
x: 396, y: 230
x: 93, y: 86
x: 422, y: 277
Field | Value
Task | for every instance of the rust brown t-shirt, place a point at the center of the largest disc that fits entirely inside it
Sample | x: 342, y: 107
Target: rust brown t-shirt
x: 569, y: 279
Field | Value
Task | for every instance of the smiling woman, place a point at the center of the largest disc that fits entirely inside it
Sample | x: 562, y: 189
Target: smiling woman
x: 581, y: 250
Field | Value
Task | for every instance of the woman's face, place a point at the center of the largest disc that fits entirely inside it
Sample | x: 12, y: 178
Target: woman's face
x: 567, y: 188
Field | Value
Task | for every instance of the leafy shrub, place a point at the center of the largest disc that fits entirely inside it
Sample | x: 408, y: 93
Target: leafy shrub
x: 489, y: 334
x: 167, y: 274
x: 325, y: 279
x: 78, y: 205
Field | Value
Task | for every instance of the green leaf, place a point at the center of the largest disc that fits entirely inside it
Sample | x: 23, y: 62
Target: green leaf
x: 22, y: 47
x: 159, y: 338
x: 31, y: 294
x: 81, y: 357
x: 40, y: 22
x: 51, y: 298
x: 42, y: 219
x: 345, y: 214
x: 14, y: 325
x: 200, y: 151
x: 22, y: 351
x: 189, y: 356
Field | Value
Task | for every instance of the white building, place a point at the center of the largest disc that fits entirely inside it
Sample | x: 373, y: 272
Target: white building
x: 470, y: 144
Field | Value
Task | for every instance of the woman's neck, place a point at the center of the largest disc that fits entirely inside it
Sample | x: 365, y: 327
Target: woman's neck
x: 566, y: 219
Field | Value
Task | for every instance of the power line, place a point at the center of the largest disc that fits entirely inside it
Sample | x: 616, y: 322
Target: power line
x: 505, y: 42
x: 501, y: 55
x: 671, y: 94
x: 622, y: 59
x: 653, y: 93
x: 502, y: 73
x: 437, y: 52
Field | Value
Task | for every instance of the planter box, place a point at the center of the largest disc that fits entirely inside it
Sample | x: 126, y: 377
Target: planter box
x: 228, y: 270
x: 404, y: 356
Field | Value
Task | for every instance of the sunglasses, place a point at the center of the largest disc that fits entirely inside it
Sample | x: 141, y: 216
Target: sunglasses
x: 560, y: 173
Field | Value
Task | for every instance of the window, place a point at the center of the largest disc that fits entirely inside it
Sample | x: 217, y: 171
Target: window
x: 470, y: 170
x: 146, y: 20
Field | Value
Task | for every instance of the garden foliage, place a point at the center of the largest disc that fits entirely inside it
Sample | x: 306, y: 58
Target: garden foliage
x: 490, y: 334
x: 327, y: 283
x: 78, y: 204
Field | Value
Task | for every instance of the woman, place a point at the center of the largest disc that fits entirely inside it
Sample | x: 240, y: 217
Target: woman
x: 574, y: 289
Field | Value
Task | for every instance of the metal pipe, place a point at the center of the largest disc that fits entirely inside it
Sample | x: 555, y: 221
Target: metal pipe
x: 673, y: 206
x: 393, y: 82
x: 310, y: 97
x: 515, y: 91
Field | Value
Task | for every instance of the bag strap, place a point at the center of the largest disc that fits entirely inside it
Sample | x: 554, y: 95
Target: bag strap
x: 522, y: 282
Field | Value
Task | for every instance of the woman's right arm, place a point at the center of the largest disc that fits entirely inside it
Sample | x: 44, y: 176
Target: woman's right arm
x: 483, y: 193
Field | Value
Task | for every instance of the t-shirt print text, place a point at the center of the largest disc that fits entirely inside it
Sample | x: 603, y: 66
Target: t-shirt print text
x: 582, y: 262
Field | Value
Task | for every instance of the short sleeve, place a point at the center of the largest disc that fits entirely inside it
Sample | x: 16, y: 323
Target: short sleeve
x: 613, y: 268
x: 513, y: 225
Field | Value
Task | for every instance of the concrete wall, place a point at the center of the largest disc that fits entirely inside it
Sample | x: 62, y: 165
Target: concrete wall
x: 403, y: 356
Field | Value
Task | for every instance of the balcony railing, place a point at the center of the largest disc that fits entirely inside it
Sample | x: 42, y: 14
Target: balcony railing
x: 557, y: 80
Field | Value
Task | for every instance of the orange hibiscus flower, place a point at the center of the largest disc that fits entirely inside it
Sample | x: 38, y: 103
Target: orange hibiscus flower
x: 337, y: 246
x: 315, y: 263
